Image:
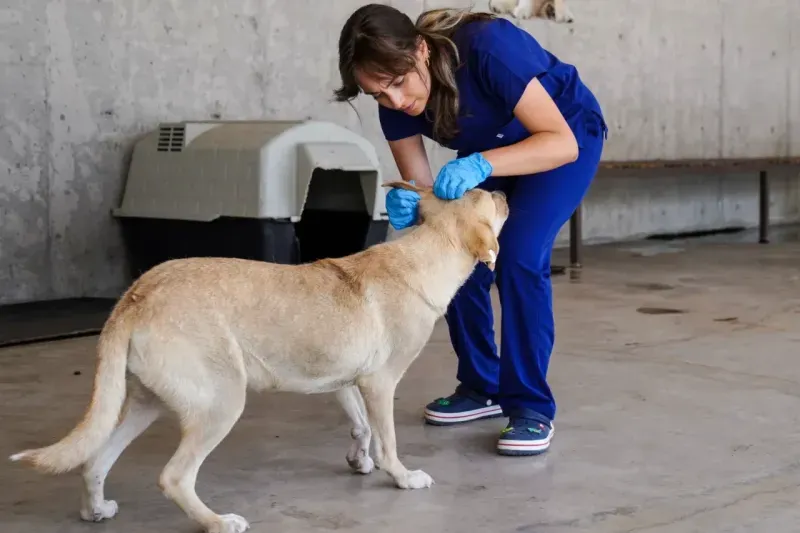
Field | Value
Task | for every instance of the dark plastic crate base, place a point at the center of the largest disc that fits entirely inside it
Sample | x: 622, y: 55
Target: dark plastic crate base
x: 322, y: 234
x: 52, y: 320
x: 319, y: 234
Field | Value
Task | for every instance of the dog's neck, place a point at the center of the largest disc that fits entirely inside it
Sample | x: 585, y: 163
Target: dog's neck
x: 446, y: 265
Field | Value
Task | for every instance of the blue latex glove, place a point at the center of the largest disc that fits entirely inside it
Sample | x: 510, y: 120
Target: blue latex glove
x: 402, y: 207
x: 460, y: 175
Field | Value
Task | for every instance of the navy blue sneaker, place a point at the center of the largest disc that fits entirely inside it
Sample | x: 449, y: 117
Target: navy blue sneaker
x: 529, y: 434
x: 462, y: 406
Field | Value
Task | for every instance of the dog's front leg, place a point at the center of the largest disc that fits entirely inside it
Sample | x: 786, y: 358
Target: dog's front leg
x: 378, y: 393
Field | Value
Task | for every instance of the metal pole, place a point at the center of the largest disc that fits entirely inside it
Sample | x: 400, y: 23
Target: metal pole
x: 763, y: 207
x: 576, y: 237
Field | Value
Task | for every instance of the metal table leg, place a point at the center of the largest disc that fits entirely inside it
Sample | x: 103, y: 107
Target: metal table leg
x: 763, y: 207
x: 576, y: 237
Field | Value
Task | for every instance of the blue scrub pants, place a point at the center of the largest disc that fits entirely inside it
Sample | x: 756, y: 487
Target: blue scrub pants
x: 540, y: 204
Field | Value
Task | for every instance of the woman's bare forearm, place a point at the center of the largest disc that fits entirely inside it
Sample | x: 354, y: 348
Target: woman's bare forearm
x: 540, y: 152
x: 411, y: 159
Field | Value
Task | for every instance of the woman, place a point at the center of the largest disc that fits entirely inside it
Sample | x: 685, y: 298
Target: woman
x: 522, y: 122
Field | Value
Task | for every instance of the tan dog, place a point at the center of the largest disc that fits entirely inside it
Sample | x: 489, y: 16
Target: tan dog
x: 193, y: 335
x: 555, y: 10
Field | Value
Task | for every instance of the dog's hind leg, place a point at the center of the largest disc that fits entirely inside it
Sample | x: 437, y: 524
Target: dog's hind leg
x: 378, y: 393
x: 204, y: 425
x: 140, y: 411
x: 358, y: 456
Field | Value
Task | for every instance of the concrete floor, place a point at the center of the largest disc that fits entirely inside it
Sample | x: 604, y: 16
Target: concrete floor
x: 683, y: 422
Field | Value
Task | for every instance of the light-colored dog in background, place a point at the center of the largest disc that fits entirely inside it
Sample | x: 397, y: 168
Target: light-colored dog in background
x: 555, y: 10
x: 191, y: 336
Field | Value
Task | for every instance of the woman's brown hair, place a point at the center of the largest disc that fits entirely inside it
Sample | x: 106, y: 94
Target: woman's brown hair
x: 383, y: 41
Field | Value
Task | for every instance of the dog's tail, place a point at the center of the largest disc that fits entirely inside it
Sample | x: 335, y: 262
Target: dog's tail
x: 103, y: 413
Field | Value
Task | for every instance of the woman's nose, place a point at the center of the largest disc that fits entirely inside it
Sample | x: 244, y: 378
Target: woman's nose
x: 396, y: 99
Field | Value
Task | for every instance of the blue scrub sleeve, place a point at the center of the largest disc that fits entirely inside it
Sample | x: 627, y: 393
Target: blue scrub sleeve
x: 506, y: 59
x: 397, y: 125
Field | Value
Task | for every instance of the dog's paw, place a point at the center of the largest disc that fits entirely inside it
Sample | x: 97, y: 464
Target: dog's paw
x: 565, y: 17
x: 230, y: 523
x: 358, y: 456
x: 502, y: 7
x: 108, y: 509
x: 414, y: 479
x: 522, y: 12
x: 362, y: 464
x: 558, y: 13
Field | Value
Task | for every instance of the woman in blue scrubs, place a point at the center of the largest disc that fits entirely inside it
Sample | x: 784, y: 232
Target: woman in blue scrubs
x: 521, y: 121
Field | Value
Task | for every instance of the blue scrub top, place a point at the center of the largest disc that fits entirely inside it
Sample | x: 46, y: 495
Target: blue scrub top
x: 498, y: 60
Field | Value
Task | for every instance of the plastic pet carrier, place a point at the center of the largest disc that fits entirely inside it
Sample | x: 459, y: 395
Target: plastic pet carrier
x: 277, y: 191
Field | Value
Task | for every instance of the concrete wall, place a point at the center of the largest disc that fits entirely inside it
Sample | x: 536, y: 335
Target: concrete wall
x: 82, y: 78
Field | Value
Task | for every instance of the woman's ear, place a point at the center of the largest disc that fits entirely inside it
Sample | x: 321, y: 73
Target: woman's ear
x: 423, y: 50
x: 483, y: 245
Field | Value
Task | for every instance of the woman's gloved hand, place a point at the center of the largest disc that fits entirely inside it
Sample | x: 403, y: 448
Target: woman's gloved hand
x: 460, y: 175
x: 402, y: 207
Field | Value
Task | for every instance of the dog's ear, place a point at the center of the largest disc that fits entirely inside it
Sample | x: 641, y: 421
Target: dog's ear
x: 407, y: 186
x: 483, y: 245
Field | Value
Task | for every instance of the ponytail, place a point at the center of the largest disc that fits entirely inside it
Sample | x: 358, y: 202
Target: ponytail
x: 437, y: 27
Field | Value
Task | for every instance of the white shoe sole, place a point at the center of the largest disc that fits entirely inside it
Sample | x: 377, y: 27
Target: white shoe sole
x: 524, y: 447
x: 446, y: 419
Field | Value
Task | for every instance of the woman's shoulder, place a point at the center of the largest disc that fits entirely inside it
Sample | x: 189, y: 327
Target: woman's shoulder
x: 487, y: 35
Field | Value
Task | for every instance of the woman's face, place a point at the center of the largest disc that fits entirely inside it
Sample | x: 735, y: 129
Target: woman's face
x: 408, y: 93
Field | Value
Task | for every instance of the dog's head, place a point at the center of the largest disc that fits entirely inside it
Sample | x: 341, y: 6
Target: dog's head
x: 475, y: 219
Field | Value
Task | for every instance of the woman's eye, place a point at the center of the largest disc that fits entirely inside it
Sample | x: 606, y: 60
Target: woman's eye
x: 398, y: 82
